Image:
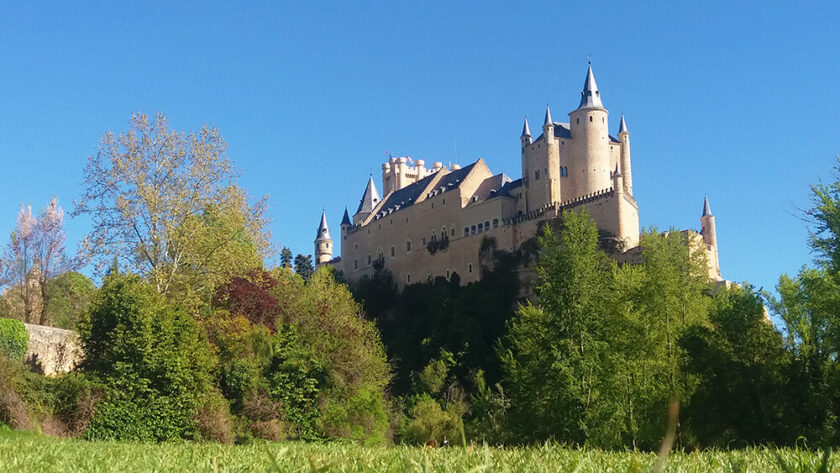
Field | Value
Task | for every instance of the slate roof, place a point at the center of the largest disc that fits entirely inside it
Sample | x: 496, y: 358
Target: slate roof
x: 323, y: 229
x: 408, y: 195
x: 369, y: 199
x: 590, y: 97
x: 561, y: 130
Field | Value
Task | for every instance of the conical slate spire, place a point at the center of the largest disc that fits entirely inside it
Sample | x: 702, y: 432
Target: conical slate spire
x: 623, y: 127
x: 323, y: 229
x: 707, y: 212
x: 590, y: 97
x: 346, y: 219
x: 526, y: 131
x: 548, y: 116
x: 369, y: 199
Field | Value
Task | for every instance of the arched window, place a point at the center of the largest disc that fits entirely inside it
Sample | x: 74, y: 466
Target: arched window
x: 472, y: 230
x: 447, y: 274
x: 355, y: 264
x: 537, y: 175
x: 590, y: 118
x: 407, y: 246
x: 434, y: 236
x: 495, y: 222
x: 466, y: 231
x: 393, y: 252
x: 443, y: 233
x: 408, y: 278
x: 487, y: 225
x: 480, y: 227
x: 469, y: 268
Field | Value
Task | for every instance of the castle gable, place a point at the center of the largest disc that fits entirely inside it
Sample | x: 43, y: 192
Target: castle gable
x: 490, y: 188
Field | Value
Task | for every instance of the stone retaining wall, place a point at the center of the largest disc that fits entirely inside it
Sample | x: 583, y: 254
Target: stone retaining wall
x: 51, y: 350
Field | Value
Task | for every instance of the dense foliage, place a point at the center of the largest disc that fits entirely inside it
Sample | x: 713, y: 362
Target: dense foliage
x: 13, y: 339
x: 153, y: 357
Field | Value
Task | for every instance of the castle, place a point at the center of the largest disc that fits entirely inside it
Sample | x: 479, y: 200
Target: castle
x: 430, y: 222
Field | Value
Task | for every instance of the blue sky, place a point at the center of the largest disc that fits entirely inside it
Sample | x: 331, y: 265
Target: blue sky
x: 735, y: 100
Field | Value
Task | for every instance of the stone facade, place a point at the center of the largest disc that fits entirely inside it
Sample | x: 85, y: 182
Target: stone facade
x: 432, y: 222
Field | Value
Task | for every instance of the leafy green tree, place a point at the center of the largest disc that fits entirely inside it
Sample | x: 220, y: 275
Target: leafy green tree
x: 655, y: 302
x: 741, y: 365
x: 555, y: 357
x: 153, y: 358
x: 166, y: 203
x: 347, y: 347
x: 69, y: 296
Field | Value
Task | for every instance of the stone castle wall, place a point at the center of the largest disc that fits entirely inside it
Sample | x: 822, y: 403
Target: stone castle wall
x: 51, y: 350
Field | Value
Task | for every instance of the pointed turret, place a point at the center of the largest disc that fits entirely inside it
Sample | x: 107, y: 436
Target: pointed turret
x: 323, y: 229
x: 525, y: 139
x: 369, y: 199
x: 547, y: 116
x: 345, y: 221
x: 323, y: 242
x: 526, y: 130
x: 708, y: 231
x: 623, y: 127
x: 590, y: 97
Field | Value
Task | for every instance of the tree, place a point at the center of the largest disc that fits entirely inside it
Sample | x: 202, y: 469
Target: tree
x: 347, y: 347
x: 68, y: 297
x: 286, y: 257
x: 166, y: 203
x: 35, y: 255
x: 153, y: 358
x: 739, y: 358
x: 303, y: 266
x: 555, y: 357
x: 825, y: 219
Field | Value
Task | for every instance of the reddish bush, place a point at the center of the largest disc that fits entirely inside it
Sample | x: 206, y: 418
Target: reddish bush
x: 251, y: 298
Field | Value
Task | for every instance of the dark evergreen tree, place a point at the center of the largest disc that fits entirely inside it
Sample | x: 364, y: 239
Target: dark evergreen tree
x: 303, y: 266
x: 286, y: 257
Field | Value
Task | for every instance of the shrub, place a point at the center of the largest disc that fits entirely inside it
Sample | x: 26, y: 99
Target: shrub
x: 148, y: 418
x: 152, y: 357
x: 428, y: 422
x: 345, y: 347
x: 214, y: 419
x: 13, y: 339
x: 13, y: 410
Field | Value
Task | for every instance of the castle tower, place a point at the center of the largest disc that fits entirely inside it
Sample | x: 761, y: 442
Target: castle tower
x: 590, y: 144
x: 709, y: 234
x: 345, y: 221
x: 624, y: 139
x: 369, y: 200
x: 541, y: 166
x: 323, y: 242
x: 526, y: 134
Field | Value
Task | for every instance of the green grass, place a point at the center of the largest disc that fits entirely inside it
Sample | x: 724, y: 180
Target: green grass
x: 25, y: 452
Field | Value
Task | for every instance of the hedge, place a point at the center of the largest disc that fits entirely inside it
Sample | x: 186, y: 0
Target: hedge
x: 13, y: 339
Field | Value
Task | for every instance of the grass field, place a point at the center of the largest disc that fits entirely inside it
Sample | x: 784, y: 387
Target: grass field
x: 24, y: 452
